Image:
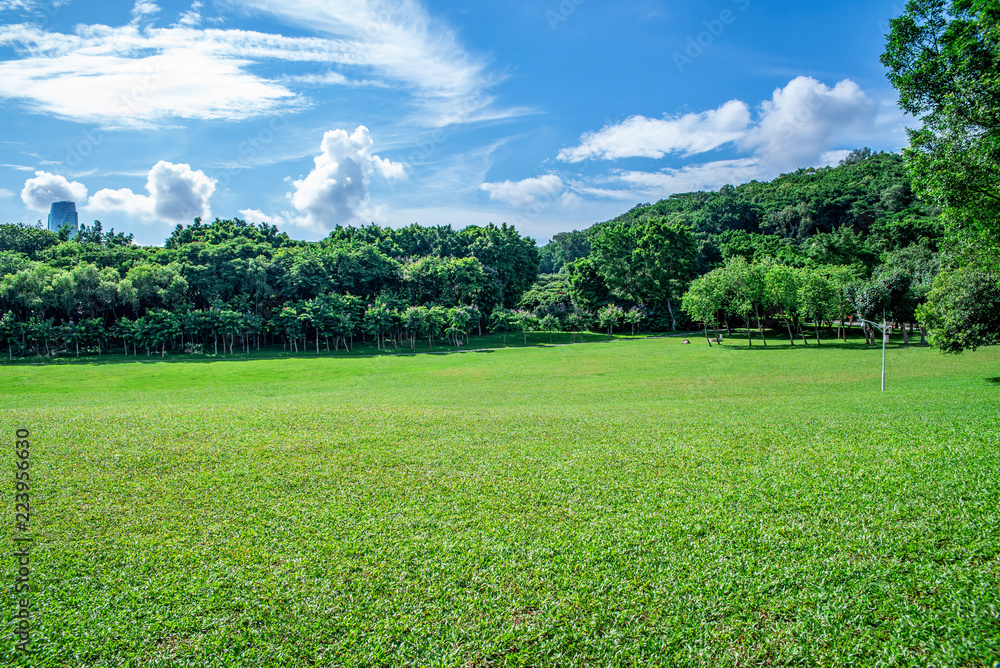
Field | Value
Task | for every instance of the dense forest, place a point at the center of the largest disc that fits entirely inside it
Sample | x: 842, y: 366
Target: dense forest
x: 839, y: 240
x: 823, y: 245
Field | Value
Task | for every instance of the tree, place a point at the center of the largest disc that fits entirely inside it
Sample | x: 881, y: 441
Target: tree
x: 9, y: 332
x: 458, y: 321
x: 703, y: 300
x: 549, y: 323
x: 633, y: 318
x: 817, y: 297
x: 502, y: 320
x: 288, y: 323
x: 650, y: 262
x: 944, y: 59
x: 415, y: 323
x: 610, y: 316
x: 781, y: 286
x: 870, y: 300
x: 744, y: 283
x: 963, y: 310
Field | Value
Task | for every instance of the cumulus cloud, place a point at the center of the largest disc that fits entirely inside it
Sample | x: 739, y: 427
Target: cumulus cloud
x: 335, y: 192
x: 526, y: 193
x: 644, y: 137
x: 258, y: 216
x: 177, y: 194
x: 800, y: 124
x: 44, y: 188
x: 805, y: 119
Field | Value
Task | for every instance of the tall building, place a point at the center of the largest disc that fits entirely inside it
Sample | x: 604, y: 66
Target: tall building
x: 63, y: 213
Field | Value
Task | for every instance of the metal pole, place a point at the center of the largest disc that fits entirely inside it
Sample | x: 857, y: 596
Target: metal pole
x: 885, y: 335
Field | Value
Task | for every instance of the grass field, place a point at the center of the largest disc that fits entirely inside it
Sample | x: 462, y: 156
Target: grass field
x: 615, y: 504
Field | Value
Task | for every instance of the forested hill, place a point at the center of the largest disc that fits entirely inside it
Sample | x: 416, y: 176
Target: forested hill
x: 868, y: 195
x: 854, y: 227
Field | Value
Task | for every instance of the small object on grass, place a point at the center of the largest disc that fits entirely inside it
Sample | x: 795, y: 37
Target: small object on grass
x: 685, y: 342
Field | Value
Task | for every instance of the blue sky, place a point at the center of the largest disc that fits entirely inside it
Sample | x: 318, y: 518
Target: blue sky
x: 550, y: 115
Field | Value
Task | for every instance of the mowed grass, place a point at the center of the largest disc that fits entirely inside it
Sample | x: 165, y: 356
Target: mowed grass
x: 629, y: 503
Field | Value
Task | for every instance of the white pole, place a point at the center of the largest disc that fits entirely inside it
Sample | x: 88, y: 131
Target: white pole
x: 885, y: 335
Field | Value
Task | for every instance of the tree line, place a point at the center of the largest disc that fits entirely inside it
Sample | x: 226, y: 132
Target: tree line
x: 216, y: 285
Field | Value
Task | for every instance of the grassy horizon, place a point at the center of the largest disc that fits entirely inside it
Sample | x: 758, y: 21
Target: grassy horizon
x: 645, y: 503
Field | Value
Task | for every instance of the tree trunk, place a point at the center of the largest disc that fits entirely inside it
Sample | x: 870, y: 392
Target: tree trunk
x: 760, y: 328
x: 816, y: 328
x: 791, y: 337
x: 673, y: 321
x: 747, y: 321
x: 707, y: 340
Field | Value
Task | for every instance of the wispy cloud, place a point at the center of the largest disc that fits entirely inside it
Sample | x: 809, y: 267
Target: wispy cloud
x: 141, y: 76
x: 398, y: 41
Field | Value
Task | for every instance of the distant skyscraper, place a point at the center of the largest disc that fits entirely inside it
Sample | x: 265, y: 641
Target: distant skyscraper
x: 63, y: 213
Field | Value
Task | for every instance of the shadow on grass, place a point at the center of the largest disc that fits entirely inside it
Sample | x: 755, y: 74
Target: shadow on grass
x: 994, y: 380
x: 832, y: 344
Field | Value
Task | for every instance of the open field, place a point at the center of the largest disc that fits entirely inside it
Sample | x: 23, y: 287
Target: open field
x: 626, y: 503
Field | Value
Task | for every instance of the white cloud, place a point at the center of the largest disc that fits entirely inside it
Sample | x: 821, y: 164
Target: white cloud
x: 831, y: 158
x: 138, y: 76
x: 192, y: 17
x: 7, y: 194
x: 707, y: 176
x: 644, y: 137
x: 335, y: 192
x: 177, y: 194
x: 805, y: 119
x: 32, y: 6
x: 144, y: 8
x: 795, y: 128
x: 258, y: 216
x: 526, y: 193
x: 44, y: 188
x: 398, y: 40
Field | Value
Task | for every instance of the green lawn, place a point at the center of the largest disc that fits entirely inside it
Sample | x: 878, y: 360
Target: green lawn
x: 628, y: 503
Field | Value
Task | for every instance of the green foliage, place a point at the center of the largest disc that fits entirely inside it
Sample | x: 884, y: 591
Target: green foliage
x: 944, y: 59
x: 27, y: 240
x: 963, y: 310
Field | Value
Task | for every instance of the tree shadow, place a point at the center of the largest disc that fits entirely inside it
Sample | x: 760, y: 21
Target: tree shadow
x: 833, y: 344
x: 994, y: 380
